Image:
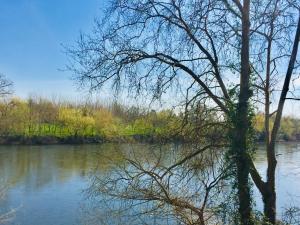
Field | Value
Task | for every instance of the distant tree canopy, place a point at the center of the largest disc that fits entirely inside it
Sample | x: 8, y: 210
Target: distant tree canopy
x: 42, y: 117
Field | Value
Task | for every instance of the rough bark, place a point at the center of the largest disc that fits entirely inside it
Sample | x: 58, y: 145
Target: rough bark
x: 242, y: 124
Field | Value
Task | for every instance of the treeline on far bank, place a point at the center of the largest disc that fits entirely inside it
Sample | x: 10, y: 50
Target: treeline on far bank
x: 41, y: 121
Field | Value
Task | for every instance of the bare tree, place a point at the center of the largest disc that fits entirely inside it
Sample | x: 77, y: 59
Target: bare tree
x: 5, y: 86
x: 5, y: 89
x: 196, y: 46
x: 271, y: 54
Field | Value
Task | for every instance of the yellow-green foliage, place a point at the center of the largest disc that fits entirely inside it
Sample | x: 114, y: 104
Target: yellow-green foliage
x: 289, y: 128
x: 14, y: 117
x: 106, y: 124
x: 41, y: 117
x: 76, y: 122
x: 259, y: 122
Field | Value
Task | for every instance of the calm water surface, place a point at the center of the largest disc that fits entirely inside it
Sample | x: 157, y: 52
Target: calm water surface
x: 46, y: 183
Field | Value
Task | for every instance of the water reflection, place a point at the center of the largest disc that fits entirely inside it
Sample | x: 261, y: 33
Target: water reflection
x: 37, y: 166
x: 46, y: 183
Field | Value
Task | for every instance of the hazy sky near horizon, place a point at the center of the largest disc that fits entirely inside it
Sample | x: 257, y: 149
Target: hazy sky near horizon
x: 32, y: 35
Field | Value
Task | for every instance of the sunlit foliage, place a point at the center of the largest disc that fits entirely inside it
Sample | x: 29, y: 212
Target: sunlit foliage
x: 38, y: 117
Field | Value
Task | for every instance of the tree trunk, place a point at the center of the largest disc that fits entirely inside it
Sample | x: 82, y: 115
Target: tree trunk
x: 269, y: 199
x: 269, y: 194
x: 242, y: 125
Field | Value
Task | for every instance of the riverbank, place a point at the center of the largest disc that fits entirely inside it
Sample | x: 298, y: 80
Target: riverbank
x: 48, y: 140
x: 71, y: 140
x: 74, y: 140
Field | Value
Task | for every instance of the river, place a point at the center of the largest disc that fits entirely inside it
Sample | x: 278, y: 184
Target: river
x: 46, y: 184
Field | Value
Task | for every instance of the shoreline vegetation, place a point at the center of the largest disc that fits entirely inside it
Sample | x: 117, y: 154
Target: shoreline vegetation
x: 72, y: 140
x: 75, y: 140
x: 38, y: 121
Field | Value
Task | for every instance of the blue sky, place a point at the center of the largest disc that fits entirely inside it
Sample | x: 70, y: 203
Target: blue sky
x: 32, y: 34
x: 31, y: 39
